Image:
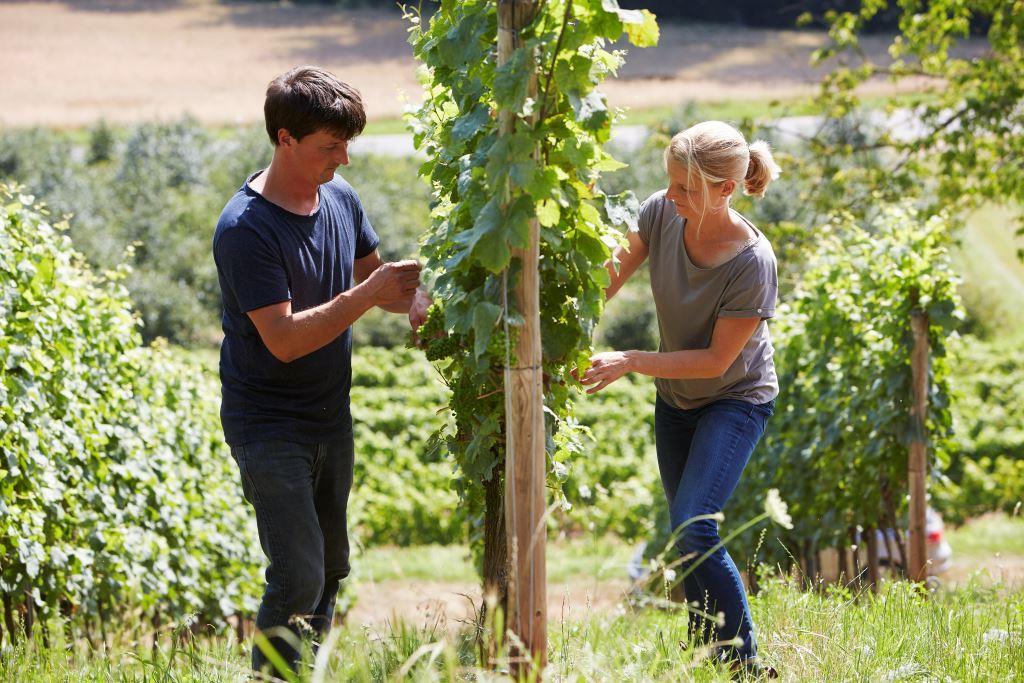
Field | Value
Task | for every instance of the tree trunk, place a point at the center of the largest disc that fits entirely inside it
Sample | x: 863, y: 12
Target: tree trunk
x: 855, y: 551
x: 845, y: 571
x: 12, y: 630
x: 874, y: 576
x: 901, y: 545
x: 496, y: 568
x: 810, y: 570
x: 103, y: 620
x: 30, y: 615
x: 897, y: 550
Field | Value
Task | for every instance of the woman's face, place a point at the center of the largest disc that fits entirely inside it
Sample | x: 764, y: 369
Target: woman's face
x: 693, y: 198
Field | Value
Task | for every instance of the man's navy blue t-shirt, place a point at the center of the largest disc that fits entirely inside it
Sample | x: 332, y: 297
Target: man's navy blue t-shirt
x: 266, y: 255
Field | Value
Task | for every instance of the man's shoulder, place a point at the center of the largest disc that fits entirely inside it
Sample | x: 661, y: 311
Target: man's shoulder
x: 238, y: 216
x: 341, y: 191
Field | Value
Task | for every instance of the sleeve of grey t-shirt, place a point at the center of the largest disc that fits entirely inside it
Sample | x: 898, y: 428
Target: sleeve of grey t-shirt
x: 649, y: 214
x: 754, y: 289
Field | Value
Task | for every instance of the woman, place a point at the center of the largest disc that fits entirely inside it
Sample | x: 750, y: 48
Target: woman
x: 713, y: 276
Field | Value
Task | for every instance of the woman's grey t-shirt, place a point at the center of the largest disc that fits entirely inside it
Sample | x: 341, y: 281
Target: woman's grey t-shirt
x: 690, y: 299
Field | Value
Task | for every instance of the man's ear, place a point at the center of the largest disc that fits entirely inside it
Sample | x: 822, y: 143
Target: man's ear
x: 284, y: 138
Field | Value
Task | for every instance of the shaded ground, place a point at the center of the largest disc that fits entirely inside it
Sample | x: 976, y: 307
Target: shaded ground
x: 69, y: 63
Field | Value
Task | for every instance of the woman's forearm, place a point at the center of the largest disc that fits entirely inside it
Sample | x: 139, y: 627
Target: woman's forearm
x: 690, y: 364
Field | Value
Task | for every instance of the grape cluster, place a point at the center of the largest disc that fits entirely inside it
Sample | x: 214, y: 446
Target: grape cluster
x: 440, y: 348
x: 433, y: 326
x: 434, y: 338
x: 496, y: 345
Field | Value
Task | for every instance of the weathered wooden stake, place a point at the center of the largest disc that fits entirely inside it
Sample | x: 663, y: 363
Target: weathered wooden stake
x: 525, y: 473
x: 918, y: 460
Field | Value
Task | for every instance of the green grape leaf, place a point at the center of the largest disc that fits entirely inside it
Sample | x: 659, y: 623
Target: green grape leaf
x: 485, y: 317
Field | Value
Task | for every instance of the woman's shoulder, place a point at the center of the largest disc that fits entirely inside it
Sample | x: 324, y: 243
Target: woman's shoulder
x: 759, y: 260
x: 656, y: 200
x: 653, y: 214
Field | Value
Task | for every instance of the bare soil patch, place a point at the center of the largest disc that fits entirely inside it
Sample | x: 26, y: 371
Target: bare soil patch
x: 451, y: 604
x: 70, y: 63
x: 448, y: 605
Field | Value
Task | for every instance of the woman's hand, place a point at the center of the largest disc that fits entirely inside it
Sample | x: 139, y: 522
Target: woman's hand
x: 605, y: 368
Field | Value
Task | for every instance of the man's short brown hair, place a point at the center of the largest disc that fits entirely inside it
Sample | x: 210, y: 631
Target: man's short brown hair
x: 307, y: 99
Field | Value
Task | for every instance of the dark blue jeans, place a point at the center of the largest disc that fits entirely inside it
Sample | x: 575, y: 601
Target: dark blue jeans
x: 299, y: 492
x: 701, y: 454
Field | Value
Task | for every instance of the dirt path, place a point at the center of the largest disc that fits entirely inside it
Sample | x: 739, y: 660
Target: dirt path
x: 69, y: 63
x: 425, y: 603
x: 448, y: 604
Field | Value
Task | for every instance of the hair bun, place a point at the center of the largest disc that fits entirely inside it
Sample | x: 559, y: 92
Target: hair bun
x: 761, y: 170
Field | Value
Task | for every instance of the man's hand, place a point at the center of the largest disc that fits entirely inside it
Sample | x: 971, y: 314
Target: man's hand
x: 421, y: 301
x: 605, y: 368
x: 393, y: 282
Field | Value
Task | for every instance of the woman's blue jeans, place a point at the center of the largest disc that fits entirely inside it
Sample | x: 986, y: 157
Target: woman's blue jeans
x: 299, y: 492
x: 701, y: 455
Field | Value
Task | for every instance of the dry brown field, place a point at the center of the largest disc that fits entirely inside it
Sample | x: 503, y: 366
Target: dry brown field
x: 67, y: 64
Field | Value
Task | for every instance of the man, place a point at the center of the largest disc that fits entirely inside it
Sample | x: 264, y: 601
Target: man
x: 298, y: 265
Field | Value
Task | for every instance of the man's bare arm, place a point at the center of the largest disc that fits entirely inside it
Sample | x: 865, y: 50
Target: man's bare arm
x: 290, y: 335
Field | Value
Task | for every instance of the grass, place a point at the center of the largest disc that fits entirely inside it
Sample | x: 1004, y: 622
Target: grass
x: 987, y: 536
x: 593, y: 559
x: 972, y: 634
x: 993, y: 273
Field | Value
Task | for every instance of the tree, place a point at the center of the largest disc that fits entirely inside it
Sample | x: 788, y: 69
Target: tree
x: 966, y: 145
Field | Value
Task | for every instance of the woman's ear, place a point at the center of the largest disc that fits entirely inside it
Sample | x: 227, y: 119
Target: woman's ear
x: 727, y: 188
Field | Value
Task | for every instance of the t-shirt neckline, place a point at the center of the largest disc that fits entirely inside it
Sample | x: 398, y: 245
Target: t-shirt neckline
x: 750, y: 245
x: 249, y: 189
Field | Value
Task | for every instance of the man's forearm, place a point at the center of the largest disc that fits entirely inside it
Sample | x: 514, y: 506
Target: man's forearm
x: 302, y: 333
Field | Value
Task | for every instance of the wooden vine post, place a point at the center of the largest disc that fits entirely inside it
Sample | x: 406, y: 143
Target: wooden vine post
x: 918, y: 459
x: 525, y: 464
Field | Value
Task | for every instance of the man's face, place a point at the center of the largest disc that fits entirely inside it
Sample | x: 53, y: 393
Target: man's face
x: 318, y: 155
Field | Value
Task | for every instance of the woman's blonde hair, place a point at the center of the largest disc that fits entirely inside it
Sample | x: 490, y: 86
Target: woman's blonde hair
x: 716, y: 152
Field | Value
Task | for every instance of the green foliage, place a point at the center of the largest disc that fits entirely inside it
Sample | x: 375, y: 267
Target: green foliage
x: 983, y: 485
x: 613, y: 486
x: 115, y: 488
x: 151, y: 194
x: 402, y: 488
x: 488, y: 186
x: 986, y: 471
x: 968, y: 123
x: 403, y: 492
x: 630, y: 320
x: 837, y: 446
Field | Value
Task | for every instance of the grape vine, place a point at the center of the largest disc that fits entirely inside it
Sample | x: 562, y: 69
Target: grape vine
x: 487, y: 187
